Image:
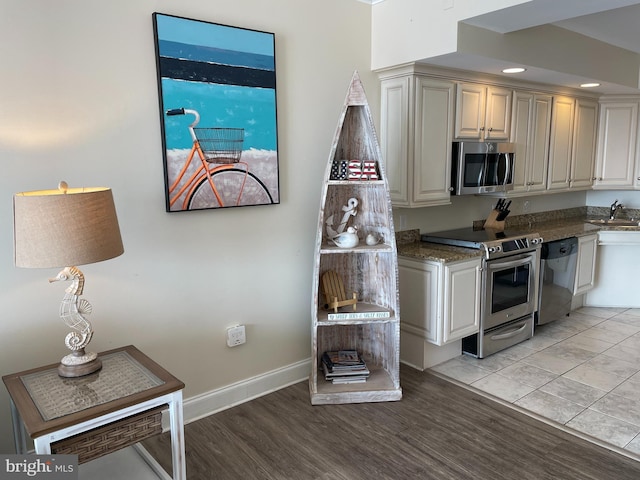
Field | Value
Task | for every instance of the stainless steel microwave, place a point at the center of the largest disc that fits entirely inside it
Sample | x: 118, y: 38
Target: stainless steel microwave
x: 482, y: 167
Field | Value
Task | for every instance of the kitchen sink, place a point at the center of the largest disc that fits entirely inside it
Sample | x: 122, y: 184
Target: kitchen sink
x: 615, y: 222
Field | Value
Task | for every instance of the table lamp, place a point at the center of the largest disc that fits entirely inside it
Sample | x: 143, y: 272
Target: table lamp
x: 63, y: 228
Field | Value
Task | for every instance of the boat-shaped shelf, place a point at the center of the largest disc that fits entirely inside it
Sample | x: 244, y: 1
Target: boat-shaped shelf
x: 355, y: 194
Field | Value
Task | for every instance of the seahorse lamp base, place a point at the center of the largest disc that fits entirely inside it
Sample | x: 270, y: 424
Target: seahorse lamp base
x: 79, y: 364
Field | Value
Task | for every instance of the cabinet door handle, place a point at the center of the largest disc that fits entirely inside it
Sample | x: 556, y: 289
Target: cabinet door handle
x: 491, y: 129
x: 482, y: 129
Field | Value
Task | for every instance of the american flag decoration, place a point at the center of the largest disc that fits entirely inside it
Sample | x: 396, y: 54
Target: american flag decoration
x: 355, y: 170
x: 339, y: 170
x: 369, y: 171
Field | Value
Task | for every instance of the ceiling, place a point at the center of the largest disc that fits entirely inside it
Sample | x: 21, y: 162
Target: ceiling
x: 615, y: 23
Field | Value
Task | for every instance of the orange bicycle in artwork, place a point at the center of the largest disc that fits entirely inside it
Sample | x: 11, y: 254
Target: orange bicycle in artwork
x: 220, y: 179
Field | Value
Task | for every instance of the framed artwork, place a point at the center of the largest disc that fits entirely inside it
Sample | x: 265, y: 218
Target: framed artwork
x: 217, y: 90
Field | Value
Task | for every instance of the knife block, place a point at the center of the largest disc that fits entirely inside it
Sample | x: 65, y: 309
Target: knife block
x: 492, y: 224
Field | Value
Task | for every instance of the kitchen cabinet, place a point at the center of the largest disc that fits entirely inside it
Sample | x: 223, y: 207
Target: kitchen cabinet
x: 530, y: 131
x: 440, y: 301
x: 617, y: 144
x: 482, y: 112
x: 584, y: 143
x: 616, y: 270
x: 586, y: 264
x: 416, y: 135
x: 572, y: 143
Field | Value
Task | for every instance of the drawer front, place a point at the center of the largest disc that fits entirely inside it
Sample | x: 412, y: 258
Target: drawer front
x: 492, y: 341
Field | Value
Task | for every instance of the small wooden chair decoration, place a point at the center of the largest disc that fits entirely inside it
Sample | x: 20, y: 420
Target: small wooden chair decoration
x: 334, y: 294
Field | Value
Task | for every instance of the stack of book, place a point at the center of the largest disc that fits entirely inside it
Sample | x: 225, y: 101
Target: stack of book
x: 344, y: 366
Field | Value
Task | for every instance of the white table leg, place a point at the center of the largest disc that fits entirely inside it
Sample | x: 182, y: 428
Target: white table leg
x: 177, y: 437
x: 42, y: 445
x: 19, y: 433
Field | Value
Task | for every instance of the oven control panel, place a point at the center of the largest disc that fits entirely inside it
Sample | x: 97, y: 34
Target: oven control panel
x: 508, y: 246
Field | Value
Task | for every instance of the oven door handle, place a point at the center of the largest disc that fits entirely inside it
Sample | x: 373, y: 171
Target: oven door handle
x: 514, y: 263
x: 510, y: 334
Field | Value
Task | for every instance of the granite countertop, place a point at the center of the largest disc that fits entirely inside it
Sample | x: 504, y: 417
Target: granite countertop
x: 438, y: 253
x: 550, y: 226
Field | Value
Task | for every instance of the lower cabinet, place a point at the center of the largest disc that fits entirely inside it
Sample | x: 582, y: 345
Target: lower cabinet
x: 440, y: 302
x: 586, y: 264
x: 616, y: 283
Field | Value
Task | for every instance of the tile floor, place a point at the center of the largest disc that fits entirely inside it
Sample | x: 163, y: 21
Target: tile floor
x: 581, y: 371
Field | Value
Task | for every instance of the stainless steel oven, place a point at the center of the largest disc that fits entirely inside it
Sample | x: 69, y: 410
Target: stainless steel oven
x: 509, y: 286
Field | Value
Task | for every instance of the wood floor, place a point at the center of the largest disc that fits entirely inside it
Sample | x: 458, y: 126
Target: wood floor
x: 438, y: 431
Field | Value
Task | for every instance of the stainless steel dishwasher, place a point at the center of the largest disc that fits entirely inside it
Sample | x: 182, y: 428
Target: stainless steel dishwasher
x: 558, y: 260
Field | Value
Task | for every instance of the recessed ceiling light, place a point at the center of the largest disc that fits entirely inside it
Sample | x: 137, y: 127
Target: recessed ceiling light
x: 514, y: 70
x: 590, y: 85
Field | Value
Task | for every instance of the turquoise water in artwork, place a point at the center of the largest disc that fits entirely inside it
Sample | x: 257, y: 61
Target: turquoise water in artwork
x: 224, y: 59
x: 230, y: 106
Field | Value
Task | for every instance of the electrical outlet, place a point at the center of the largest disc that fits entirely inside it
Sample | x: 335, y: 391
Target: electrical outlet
x: 236, y: 336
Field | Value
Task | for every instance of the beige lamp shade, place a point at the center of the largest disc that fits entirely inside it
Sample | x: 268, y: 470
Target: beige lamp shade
x: 65, y: 227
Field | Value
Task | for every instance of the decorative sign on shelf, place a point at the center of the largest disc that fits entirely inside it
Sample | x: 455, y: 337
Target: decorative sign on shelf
x: 358, y: 315
x: 339, y: 170
x: 354, y: 170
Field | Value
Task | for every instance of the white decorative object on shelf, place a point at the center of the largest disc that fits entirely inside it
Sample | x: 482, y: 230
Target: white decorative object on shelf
x: 371, y: 239
x: 348, y: 239
x: 350, y: 210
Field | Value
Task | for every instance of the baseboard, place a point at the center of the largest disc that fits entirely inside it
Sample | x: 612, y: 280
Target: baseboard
x: 223, y: 398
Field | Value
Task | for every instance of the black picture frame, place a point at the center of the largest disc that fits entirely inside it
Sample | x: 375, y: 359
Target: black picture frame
x: 218, y: 114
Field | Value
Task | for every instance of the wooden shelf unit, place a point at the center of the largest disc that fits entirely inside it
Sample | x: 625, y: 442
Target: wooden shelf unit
x: 370, y: 270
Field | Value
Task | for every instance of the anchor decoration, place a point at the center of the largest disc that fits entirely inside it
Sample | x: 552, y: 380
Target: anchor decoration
x: 350, y: 210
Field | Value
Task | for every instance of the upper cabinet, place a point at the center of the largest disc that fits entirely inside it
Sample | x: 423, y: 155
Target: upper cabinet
x: 482, y: 112
x: 562, y: 118
x: 572, y: 143
x: 617, y: 143
x: 530, y: 130
x: 424, y: 110
x: 584, y: 143
x: 416, y: 127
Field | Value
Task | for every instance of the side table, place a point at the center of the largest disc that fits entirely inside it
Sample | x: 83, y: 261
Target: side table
x: 99, y: 413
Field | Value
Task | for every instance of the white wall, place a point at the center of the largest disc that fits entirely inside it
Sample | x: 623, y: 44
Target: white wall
x: 464, y: 210
x: 410, y: 30
x: 79, y: 102
x: 604, y: 198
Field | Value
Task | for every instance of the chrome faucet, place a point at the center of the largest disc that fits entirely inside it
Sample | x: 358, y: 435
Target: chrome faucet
x: 613, y: 210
